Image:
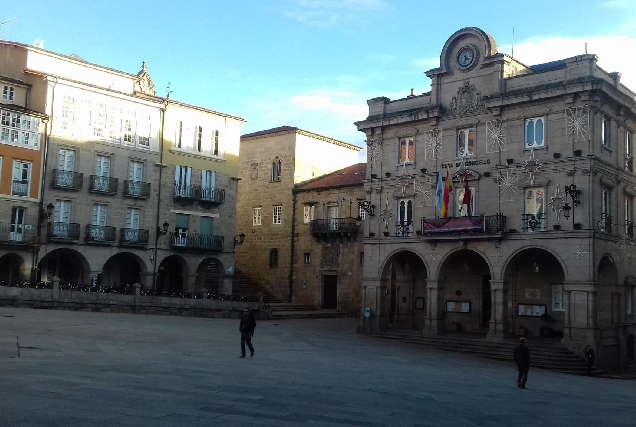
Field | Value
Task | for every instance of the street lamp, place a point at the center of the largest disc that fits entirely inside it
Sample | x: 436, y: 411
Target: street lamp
x: 574, y: 194
x: 163, y: 231
x: 46, y: 215
x: 240, y: 240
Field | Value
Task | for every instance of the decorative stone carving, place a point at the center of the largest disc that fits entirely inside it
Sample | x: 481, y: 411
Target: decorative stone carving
x: 578, y: 123
x: 254, y: 171
x: 433, y: 144
x: 496, y: 132
x: 467, y: 101
x: 330, y: 255
x: 143, y: 83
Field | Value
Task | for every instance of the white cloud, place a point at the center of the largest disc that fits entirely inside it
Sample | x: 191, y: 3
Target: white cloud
x: 327, y: 13
x: 426, y: 64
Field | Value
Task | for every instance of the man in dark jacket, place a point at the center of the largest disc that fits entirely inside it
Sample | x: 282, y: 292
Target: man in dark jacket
x: 590, y: 357
x: 522, y: 357
x: 247, y: 330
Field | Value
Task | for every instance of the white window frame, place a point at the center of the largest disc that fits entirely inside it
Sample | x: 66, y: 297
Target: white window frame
x: 606, y: 202
x: 459, y: 196
x: 19, y: 129
x: 68, y: 113
x: 542, y: 209
x: 308, y: 214
x: 29, y: 168
x: 629, y: 149
x: 277, y: 216
x: 534, y: 123
x: 277, y: 170
x: 215, y: 143
x: 8, y: 93
x: 16, y: 230
x: 362, y: 214
x: 558, y: 303
x: 606, y: 132
x: 307, y: 258
x: 462, y: 146
x: 199, y: 139
x: 257, y: 216
x: 409, y: 142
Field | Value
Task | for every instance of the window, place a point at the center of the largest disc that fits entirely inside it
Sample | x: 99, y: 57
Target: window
x: 19, y: 129
x: 629, y: 218
x: 21, y: 178
x: 129, y: 132
x: 461, y: 208
x: 466, y: 142
x: 180, y: 135
x: 17, y: 224
x: 278, y: 215
x: 61, y: 218
x: 256, y: 216
x: 535, y: 132
x: 215, y: 142
x: 606, y: 133
x: 407, y: 151
x: 557, y: 298
x: 181, y: 226
x: 307, y: 258
x: 102, y: 173
x: 629, y: 299
x: 606, y: 214
x: 114, y: 124
x: 208, y: 183
x: 277, y: 167
x: 362, y: 213
x: 629, y: 152
x: 361, y: 258
x: 182, y: 178
x: 68, y: 112
x: 273, y: 258
x: 144, y: 131
x: 308, y: 214
x: 131, y: 232
x: 405, y: 217
x: 98, y: 224
x: 199, y: 138
x: 8, y: 93
x: 535, y: 209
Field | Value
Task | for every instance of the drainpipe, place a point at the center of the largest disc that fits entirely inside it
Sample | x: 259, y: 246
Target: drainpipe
x: 293, y: 248
x: 161, y: 166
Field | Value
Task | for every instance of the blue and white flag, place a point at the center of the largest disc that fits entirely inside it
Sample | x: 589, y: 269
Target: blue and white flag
x: 439, y: 193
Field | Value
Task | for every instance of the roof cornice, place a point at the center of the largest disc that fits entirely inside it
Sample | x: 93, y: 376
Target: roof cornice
x: 304, y: 133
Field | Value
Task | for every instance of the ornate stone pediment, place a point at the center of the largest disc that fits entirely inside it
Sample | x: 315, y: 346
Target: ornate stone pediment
x: 467, y: 101
x: 143, y: 83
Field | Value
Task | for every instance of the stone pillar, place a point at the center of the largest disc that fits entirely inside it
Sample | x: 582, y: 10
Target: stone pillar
x: 55, y: 288
x: 498, y: 327
x: 374, y: 297
x: 435, y: 307
x: 225, y: 287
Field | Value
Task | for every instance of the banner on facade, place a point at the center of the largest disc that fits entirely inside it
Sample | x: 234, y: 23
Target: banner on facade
x: 450, y: 225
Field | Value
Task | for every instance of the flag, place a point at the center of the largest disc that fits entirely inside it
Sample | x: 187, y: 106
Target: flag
x: 466, y: 199
x: 439, y: 194
x: 448, y: 188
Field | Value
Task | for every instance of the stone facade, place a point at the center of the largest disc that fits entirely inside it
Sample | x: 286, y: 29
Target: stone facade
x: 116, y: 213
x: 271, y: 163
x: 546, y: 152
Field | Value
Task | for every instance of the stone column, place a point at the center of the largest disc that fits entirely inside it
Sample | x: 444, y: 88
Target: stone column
x: 498, y: 327
x: 374, y: 297
x: 435, y: 307
x: 225, y: 287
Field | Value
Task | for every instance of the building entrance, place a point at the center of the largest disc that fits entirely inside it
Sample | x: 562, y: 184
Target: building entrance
x: 486, y: 301
x: 330, y: 292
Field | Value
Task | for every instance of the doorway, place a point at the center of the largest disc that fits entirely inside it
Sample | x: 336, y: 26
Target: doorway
x: 486, y: 301
x: 330, y: 292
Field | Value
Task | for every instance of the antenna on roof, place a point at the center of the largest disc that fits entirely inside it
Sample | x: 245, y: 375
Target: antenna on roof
x: 586, y: 48
x: 168, y: 90
x: 513, y: 42
x: 7, y: 21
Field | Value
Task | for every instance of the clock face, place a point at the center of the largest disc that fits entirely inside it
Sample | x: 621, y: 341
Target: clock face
x: 465, y: 57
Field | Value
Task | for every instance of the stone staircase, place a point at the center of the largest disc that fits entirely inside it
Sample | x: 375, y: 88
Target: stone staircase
x: 544, y: 353
x: 280, y: 311
x: 243, y: 285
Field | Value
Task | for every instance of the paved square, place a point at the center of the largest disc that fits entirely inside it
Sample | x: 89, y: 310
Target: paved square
x: 61, y: 368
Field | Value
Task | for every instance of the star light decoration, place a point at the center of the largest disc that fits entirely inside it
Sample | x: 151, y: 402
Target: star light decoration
x: 556, y: 203
x: 374, y: 149
x: 580, y: 253
x: 403, y: 181
x: 577, y: 122
x: 433, y: 144
x: 422, y: 192
x: 386, y: 215
x: 531, y: 166
x: 507, y: 181
x: 496, y: 132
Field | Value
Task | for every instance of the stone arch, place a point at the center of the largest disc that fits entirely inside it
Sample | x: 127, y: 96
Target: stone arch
x: 68, y: 264
x: 12, y: 268
x: 453, y: 252
x: 488, y: 48
x: 172, y: 274
x: 607, y: 273
x: 210, y: 274
x: 507, y: 263
x: 123, y: 268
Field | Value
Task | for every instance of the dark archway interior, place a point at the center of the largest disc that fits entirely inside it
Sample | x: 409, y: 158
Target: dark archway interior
x: 170, y: 275
x: 210, y: 275
x: 122, y: 269
x: 69, y: 265
x: 405, y: 276
x: 10, y: 268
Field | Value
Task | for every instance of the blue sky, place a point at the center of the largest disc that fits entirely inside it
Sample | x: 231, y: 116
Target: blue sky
x: 312, y: 63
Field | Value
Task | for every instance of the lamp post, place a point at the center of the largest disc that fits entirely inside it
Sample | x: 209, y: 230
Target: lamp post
x: 574, y: 194
x: 240, y: 240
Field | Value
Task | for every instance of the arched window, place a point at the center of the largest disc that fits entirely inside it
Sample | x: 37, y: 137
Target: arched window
x: 277, y: 167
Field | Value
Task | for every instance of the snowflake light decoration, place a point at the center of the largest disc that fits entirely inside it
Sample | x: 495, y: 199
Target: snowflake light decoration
x: 433, y: 144
x: 556, y: 203
x: 422, y: 192
x: 496, y: 132
x: 577, y: 122
x: 531, y: 167
x: 403, y: 181
x: 387, y: 215
x: 375, y: 153
x: 507, y: 181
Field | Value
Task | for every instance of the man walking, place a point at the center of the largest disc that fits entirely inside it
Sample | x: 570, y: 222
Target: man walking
x: 590, y: 357
x: 522, y: 357
x: 247, y: 330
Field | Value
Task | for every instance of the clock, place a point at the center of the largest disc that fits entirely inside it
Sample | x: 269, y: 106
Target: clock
x: 467, y: 57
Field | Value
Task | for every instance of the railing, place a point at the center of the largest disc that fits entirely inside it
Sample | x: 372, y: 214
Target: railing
x: 19, y: 188
x: 133, y: 236
x: 17, y: 233
x: 68, y: 180
x: 212, y: 195
x: 100, y: 233
x: 103, y: 184
x: 334, y: 225
x: 484, y: 224
x: 629, y: 164
x: 196, y: 241
x: 605, y: 223
x: 63, y: 231
x: 629, y: 229
x: 196, y: 192
x: 404, y: 228
x: 138, y: 189
x: 533, y: 222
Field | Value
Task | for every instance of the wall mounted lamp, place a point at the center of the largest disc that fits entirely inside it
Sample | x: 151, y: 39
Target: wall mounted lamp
x: 240, y: 240
x: 162, y: 231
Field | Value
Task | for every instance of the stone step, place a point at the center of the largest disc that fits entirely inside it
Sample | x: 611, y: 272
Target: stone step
x: 315, y: 314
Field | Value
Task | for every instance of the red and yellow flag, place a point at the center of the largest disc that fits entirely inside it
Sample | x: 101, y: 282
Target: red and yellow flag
x: 448, y: 189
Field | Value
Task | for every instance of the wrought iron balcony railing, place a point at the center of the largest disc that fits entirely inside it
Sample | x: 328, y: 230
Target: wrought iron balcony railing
x: 605, y: 223
x: 137, y: 189
x: 20, y: 188
x: 404, y: 228
x: 533, y: 222
x: 205, y: 242
x: 67, y: 180
x: 133, y: 236
x: 103, y: 184
x: 18, y: 234
x: 629, y: 229
x: 100, y: 233
x: 191, y: 192
x: 334, y: 226
x: 65, y: 231
x: 629, y: 164
x: 483, y: 224
x: 212, y: 195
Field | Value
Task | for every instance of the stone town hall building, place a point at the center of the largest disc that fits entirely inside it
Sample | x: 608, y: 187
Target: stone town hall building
x: 547, y: 151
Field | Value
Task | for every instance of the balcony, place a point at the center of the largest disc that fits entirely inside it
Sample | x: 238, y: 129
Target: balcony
x: 103, y: 184
x: 334, y: 227
x: 187, y: 192
x: 67, y: 180
x: 195, y: 241
x: 100, y: 234
x: 629, y: 229
x: 17, y: 234
x: 629, y: 164
x: 133, y: 237
x: 470, y: 227
x: 211, y: 196
x: 214, y: 196
x: 137, y: 189
x: 63, y: 231
x: 533, y: 222
x: 404, y: 228
x: 605, y: 223
x: 20, y: 188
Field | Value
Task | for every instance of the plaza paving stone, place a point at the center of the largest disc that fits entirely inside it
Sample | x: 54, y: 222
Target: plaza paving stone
x: 63, y: 368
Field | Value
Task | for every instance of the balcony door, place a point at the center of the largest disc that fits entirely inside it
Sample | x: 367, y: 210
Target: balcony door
x: 182, y: 178
x: 205, y: 227
x: 208, y: 182
x: 102, y: 173
x: 61, y: 218
x: 405, y: 217
x: 131, y: 234
x: 332, y: 218
x: 182, y: 223
x: 135, y: 178
x: 17, y: 225
x: 21, y: 178
x: 66, y: 167
x: 99, y: 222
